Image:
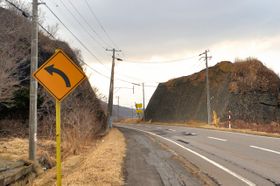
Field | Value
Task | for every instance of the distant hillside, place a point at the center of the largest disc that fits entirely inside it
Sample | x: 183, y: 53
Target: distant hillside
x: 124, y: 112
x: 247, y: 88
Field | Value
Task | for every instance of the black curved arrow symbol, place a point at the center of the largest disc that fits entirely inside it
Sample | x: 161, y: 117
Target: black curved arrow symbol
x: 51, y: 69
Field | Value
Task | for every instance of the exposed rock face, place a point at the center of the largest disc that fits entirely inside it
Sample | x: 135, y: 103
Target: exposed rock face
x: 247, y: 88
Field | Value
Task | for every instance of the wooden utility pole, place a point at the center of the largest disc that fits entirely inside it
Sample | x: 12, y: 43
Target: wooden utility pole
x: 111, y: 89
x: 33, y: 83
x: 206, y: 57
x: 143, y: 89
x: 118, y: 107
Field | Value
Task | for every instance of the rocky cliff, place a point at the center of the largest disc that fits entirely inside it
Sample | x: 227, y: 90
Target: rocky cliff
x: 247, y: 88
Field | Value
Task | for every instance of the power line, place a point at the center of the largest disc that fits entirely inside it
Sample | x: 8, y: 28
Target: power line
x: 104, y: 74
x: 87, y: 50
x: 92, y: 37
x: 100, y: 24
x: 25, y: 14
x: 119, y: 79
x: 76, y: 19
x: 161, y: 62
x: 84, y: 45
x: 89, y: 25
x: 81, y: 43
x: 79, y: 59
x: 152, y: 86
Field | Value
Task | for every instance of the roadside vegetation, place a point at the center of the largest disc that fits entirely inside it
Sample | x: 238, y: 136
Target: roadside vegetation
x: 85, y: 139
x: 100, y: 164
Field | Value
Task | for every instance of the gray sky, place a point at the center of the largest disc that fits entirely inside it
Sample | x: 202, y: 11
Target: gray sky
x: 162, y: 30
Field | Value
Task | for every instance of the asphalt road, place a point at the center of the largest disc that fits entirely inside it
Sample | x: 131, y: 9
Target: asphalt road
x: 228, y: 158
x: 147, y: 163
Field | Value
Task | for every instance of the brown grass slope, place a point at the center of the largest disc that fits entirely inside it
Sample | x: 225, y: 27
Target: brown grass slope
x: 82, y: 115
x: 247, y: 88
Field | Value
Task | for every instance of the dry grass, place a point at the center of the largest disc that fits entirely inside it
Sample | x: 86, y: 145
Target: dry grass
x: 17, y: 148
x: 101, y: 164
x: 130, y: 120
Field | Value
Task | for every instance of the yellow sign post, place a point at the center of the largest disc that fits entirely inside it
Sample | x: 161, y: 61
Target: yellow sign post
x: 58, y: 144
x: 139, y: 109
x: 59, y: 75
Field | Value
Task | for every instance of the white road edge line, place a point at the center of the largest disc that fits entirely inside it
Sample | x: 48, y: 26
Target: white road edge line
x: 264, y: 149
x: 172, y: 130
x: 220, y: 139
x: 248, y: 182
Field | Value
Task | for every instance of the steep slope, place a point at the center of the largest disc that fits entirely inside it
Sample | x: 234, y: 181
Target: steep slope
x: 81, y: 111
x: 247, y: 88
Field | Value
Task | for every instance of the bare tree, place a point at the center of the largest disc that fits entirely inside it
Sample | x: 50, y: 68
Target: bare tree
x: 14, y: 49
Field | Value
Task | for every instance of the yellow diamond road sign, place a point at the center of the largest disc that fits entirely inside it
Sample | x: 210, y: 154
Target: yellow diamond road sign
x: 59, y: 75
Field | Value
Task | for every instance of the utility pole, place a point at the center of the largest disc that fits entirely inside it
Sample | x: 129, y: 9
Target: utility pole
x: 33, y: 83
x: 143, y: 89
x: 111, y: 89
x: 206, y: 57
x: 118, y: 107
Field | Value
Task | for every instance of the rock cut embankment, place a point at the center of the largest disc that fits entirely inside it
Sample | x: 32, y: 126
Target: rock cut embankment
x: 247, y: 88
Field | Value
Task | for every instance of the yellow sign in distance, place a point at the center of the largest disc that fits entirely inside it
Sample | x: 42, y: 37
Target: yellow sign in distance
x: 59, y: 75
x: 138, y: 105
x: 139, y: 111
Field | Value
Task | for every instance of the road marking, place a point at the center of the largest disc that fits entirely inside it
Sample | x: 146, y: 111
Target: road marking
x: 238, y: 133
x: 171, y: 130
x: 264, y: 149
x: 219, y: 139
x: 248, y: 182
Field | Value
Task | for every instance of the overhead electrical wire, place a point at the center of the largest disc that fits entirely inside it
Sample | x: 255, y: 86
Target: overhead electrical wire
x: 81, y: 43
x: 86, y: 64
x: 77, y: 20
x: 162, y: 62
x: 100, y: 24
x: 51, y: 35
x: 85, y: 29
x: 85, y: 46
x: 25, y: 14
x: 88, y: 24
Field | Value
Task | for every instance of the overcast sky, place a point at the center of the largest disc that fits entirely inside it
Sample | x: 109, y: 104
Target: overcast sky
x: 167, y: 30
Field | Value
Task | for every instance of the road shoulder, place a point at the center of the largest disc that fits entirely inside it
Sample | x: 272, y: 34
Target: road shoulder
x: 101, y: 164
x: 149, y: 162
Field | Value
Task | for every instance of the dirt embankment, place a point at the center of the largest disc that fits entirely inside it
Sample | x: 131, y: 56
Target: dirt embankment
x: 247, y: 88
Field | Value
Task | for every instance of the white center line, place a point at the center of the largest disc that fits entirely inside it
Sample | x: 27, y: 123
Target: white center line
x: 264, y: 149
x: 220, y: 139
x: 248, y: 182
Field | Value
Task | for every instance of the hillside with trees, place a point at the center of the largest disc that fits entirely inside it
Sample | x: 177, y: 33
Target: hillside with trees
x: 82, y: 115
